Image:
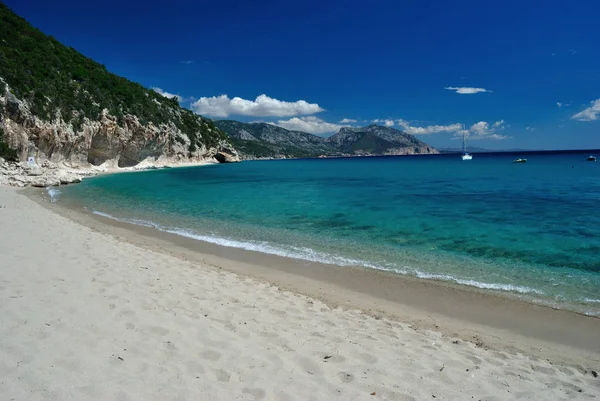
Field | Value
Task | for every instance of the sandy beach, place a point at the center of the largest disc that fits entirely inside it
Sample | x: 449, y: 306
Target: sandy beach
x: 96, y: 310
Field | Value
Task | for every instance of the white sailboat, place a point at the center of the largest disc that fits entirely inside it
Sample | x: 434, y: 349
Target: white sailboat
x: 465, y: 155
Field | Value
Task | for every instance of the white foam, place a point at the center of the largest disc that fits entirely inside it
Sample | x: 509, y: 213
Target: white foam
x: 54, y: 194
x: 129, y: 221
x: 292, y: 252
x: 104, y: 215
x: 478, y: 284
x: 311, y: 255
x: 591, y: 301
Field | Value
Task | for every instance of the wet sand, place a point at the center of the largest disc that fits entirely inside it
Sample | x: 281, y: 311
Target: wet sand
x: 501, y: 318
x: 97, y: 309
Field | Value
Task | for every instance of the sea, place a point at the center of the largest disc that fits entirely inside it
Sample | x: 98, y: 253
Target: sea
x: 528, y: 230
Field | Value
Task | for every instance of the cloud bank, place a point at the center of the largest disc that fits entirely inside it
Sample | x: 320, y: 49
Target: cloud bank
x: 310, y: 124
x: 386, y: 122
x: 480, y: 130
x: 262, y: 106
x: 430, y: 129
x: 589, y: 114
x: 465, y: 90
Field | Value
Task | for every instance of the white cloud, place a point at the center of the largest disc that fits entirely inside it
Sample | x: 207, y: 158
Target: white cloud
x: 589, y: 114
x: 311, y: 124
x: 529, y: 129
x: 262, y: 106
x: 480, y: 130
x: 167, y: 94
x: 348, y: 121
x: 483, y: 130
x: 387, y: 123
x: 464, y: 90
x: 431, y: 129
x: 187, y: 62
x: 559, y: 104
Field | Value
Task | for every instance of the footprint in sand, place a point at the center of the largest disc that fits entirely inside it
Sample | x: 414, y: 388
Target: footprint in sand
x: 211, y: 355
x: 222, y: 375
x: 473, y: 359
x: 346, y: 377
x: 278, y: 312
x: 542, y: 369
x: 257, y: 393
x: 368, y: 358
x: 126, y: 313
x: 161, y: 331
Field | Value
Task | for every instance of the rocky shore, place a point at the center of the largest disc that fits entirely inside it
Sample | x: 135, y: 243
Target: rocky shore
x: 44, y: 175
x: 48, y: 174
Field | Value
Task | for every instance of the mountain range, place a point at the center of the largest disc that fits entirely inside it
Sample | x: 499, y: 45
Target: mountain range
x: 264, y: 140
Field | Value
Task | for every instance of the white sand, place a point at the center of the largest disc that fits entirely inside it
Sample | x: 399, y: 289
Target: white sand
x: 84, y: 315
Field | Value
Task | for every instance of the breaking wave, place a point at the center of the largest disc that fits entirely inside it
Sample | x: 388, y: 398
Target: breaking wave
x: 311, y: 255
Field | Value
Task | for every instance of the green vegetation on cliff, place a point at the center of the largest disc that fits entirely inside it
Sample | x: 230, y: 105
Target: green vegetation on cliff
x: 52, y: 77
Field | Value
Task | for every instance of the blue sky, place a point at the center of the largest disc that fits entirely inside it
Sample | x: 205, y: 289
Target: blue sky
x: 322, y: 62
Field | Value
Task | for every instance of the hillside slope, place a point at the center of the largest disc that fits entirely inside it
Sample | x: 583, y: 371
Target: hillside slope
x: 58, y: 105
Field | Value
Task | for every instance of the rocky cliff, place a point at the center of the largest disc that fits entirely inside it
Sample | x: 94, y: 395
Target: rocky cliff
x: 104, y: 141
x: 56, y: 105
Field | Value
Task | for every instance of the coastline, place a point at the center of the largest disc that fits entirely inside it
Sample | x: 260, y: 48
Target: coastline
x: 493, y: 320
x: 92, y: 310
x: 48, y: 174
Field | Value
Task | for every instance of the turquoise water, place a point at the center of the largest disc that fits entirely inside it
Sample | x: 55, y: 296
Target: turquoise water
x: 531, y: 229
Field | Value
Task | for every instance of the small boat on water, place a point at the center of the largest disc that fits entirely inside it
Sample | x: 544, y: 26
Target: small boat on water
x: 591, y: 158
x: 465, y: 155
x: 520, y: 161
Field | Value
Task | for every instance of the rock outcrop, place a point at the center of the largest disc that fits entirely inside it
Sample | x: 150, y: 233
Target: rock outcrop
x: 46, y: 175
x: 61, y: 154
x: 225, y: 157
x: 97, y: 142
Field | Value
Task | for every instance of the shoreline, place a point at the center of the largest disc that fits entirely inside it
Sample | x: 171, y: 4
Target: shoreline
x: 491, y: 320
x: 92, y: 310
x: 49, y: 174
x: 520, y: 294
